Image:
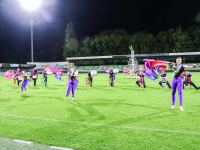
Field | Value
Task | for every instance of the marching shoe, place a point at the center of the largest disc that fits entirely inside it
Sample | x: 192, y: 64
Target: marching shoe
x: 173, y: 106
x: 181, y: 108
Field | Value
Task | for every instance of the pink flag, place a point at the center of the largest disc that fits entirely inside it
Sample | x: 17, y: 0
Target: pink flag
x: 53, y: 69
x: 9, y: 74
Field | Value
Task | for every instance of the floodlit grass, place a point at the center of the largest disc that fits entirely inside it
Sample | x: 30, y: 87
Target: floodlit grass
x: 101, y: 117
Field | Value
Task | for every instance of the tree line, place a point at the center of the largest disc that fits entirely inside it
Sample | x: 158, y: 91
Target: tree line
x: 116, y: 42
x: 109, y: 42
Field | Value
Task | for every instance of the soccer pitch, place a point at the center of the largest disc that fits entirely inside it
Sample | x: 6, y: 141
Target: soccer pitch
x: 101, y: 117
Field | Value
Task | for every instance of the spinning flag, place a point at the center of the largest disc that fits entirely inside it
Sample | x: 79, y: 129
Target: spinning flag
x: 115, y: 70
x: 58, y: 76
x: 106, y: 69
x: 9, y: 74
x: 153, y: 68
x: 57, y: 72
x: 53, y: 69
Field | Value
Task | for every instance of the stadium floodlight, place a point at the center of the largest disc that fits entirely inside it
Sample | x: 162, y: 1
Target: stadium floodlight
x: 31, y: 5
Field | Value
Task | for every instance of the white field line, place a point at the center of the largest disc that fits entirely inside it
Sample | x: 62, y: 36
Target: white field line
x: 104, y: 125
x: 21, y: 141
x: 52, y: 147
x: 61, y: 148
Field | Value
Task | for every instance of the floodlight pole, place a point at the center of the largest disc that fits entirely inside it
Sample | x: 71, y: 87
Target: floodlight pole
x: 31, y: 23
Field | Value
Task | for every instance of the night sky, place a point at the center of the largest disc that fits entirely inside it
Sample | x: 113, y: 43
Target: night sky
x: 89, y: 18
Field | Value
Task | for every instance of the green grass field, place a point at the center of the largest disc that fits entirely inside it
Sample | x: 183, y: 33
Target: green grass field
x: 102, y: 117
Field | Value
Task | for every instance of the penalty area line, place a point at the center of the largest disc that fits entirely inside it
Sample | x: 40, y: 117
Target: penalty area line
x: 104, y: 125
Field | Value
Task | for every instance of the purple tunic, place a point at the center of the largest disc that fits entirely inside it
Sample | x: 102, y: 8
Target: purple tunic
x: 177, y: 82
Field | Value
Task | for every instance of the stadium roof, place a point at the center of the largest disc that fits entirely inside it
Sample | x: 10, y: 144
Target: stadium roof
x: 136, y: 55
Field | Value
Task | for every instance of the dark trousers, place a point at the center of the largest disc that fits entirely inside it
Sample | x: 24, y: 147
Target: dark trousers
x: 18, y: 81
x: 112, y: 78
x: 137, y: 82
x: 45, y: 79
x: 90, y: 81
x: 191, y: 84
x: 34, y: 82
x: 167, y: 84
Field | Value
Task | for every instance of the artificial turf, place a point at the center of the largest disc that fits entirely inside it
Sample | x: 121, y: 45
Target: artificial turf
x: 102, y: 117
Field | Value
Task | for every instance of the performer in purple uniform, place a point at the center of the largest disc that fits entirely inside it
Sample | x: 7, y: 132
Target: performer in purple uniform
x: 178, y: 81
x: 163, y: 74
x: 111, y: 75
x: 90, y: 76
x: 18, y: 74
x: 72, y: 84
x: 114, y: 73
x: 25, y: 82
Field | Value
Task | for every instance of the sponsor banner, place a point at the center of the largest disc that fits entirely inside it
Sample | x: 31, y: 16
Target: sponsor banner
x: 149, y: 55
x: 0, y: 65
x: 186, y: 53
x: 6, y: 65
x: 14, y: 65
x: 165, y: 54
x: 27, y: 65
x: 92, y: 57
x: 61, y: 65
x: 107, y: 56
x: 140, y: 55
x: 42, y: 65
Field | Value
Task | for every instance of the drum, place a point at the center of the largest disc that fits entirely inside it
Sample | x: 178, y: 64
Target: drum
x: 93, y: 72
x: 116, y: 70
x: 34, y: 77
x: 20, y: 78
